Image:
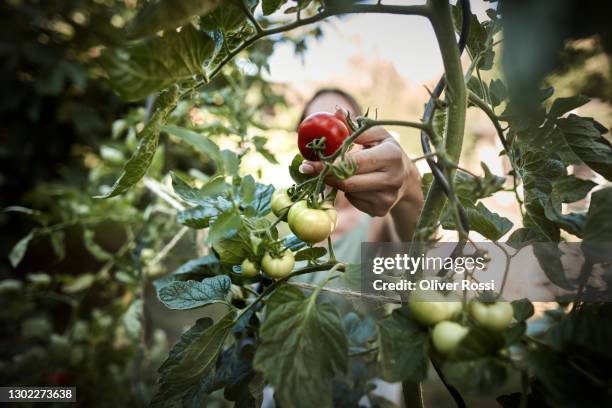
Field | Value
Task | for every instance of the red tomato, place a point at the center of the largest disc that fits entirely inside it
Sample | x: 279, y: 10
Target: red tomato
x: 318, y: 125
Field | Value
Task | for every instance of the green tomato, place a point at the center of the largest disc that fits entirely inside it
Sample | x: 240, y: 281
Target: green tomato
x: 249, y: 269
x: 311, y: 225
x: 429, y: 307
x: 281, y: 202
x: 446, y: 336
x: 493, y: 316
x: 278, y: 268
x: 155, y: 271
x: 147, y: 254
x: 295, y: 210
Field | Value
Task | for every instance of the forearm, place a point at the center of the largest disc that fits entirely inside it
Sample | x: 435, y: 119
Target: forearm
x: 406, y: 212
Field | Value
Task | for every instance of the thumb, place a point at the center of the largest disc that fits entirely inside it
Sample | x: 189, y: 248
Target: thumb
x: 310, y: 167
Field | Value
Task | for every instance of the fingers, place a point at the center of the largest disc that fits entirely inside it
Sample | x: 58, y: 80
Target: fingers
x: 382, y: 156
x: 387, y: 154
x: 373, y: 136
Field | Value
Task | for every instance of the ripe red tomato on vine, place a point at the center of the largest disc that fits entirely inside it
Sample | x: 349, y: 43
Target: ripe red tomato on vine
x: 317, y: 126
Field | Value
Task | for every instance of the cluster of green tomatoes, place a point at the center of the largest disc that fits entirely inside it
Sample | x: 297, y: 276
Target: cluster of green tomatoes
x: 308, y: 223
x: 442, y: 312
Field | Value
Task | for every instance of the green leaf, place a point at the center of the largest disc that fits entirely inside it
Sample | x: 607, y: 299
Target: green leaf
x: 403, y: 347
x: 198, y: 217
x: 522, y: 237
x: 561, y: 106
x: 270, y: 6
x: 143, y: 68
x: 191, y: 360
x: 247, y: 190
x: 302, y: 347
x: 231, y: 162
x: 232, y: 250
x: 570, y: 189
x: 497, y: 92
x: 138, y: 164
x: 479, y: 376
x: 478, y: 343
x: 132, y: 319
x: 260, y: 147
x: 79, y: 283
x: 19, y: 250
x: 584, y: 137
x: 228, y: 18
x: 538, y: 172
x: 158, y: 15
x: 262, y: 203
x: 58, y: 244
x: 195, y: 269
x: 491, y: 225
x: 523, y: 309
x: 184, y: 295
x: 205, y: 266
x: 225, y: 226
x: 359, y: 331
x: 310, y: 254
x: 598, y: 226
x: 469, y: 189
x: 215, y: 186
x: 562, y: 382
x: 294, y: 171
x: 549, y: 258
x: 585, y: 332
x: 200, y: 142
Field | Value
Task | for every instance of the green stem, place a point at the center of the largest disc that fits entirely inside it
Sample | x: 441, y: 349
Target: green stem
x: 308, y: 269
x: 456, y: 96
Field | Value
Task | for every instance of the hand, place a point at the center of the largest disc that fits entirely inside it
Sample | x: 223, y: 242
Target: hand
x: 385, y: 175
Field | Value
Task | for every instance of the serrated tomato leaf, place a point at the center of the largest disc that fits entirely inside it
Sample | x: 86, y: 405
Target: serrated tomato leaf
x: 303, y: 346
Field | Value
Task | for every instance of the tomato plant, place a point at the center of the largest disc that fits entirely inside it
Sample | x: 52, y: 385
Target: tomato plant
x: 181, y: 188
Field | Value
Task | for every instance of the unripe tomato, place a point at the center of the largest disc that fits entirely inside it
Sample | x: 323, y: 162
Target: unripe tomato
x: 249, y: 269
x: 429, y: 307
x: 278, y: 268
x: 318, y: 125
x: 309, y: 224
x: 295, y: 210
x: 147, y: 254
x: 493, y: 316
x: 281, y: 202
x: 331, y: 212
x: 446, y: 336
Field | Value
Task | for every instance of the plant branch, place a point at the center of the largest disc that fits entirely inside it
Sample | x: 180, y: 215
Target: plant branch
x: 418, y: 10
x: 168, y: 247
x: 308, y: 269
x: 346, y: 292
x: 456, y: 96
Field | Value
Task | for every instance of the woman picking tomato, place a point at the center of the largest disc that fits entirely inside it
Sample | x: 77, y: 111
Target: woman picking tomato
x: 387, y: 185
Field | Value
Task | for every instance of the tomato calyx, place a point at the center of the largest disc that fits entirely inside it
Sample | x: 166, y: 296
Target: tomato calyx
x: 318, y: 147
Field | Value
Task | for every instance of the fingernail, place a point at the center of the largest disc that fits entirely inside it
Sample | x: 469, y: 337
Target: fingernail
x: 306, y: 168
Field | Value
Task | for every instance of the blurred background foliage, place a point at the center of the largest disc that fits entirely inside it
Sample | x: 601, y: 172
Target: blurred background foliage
x: 72, y: 310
